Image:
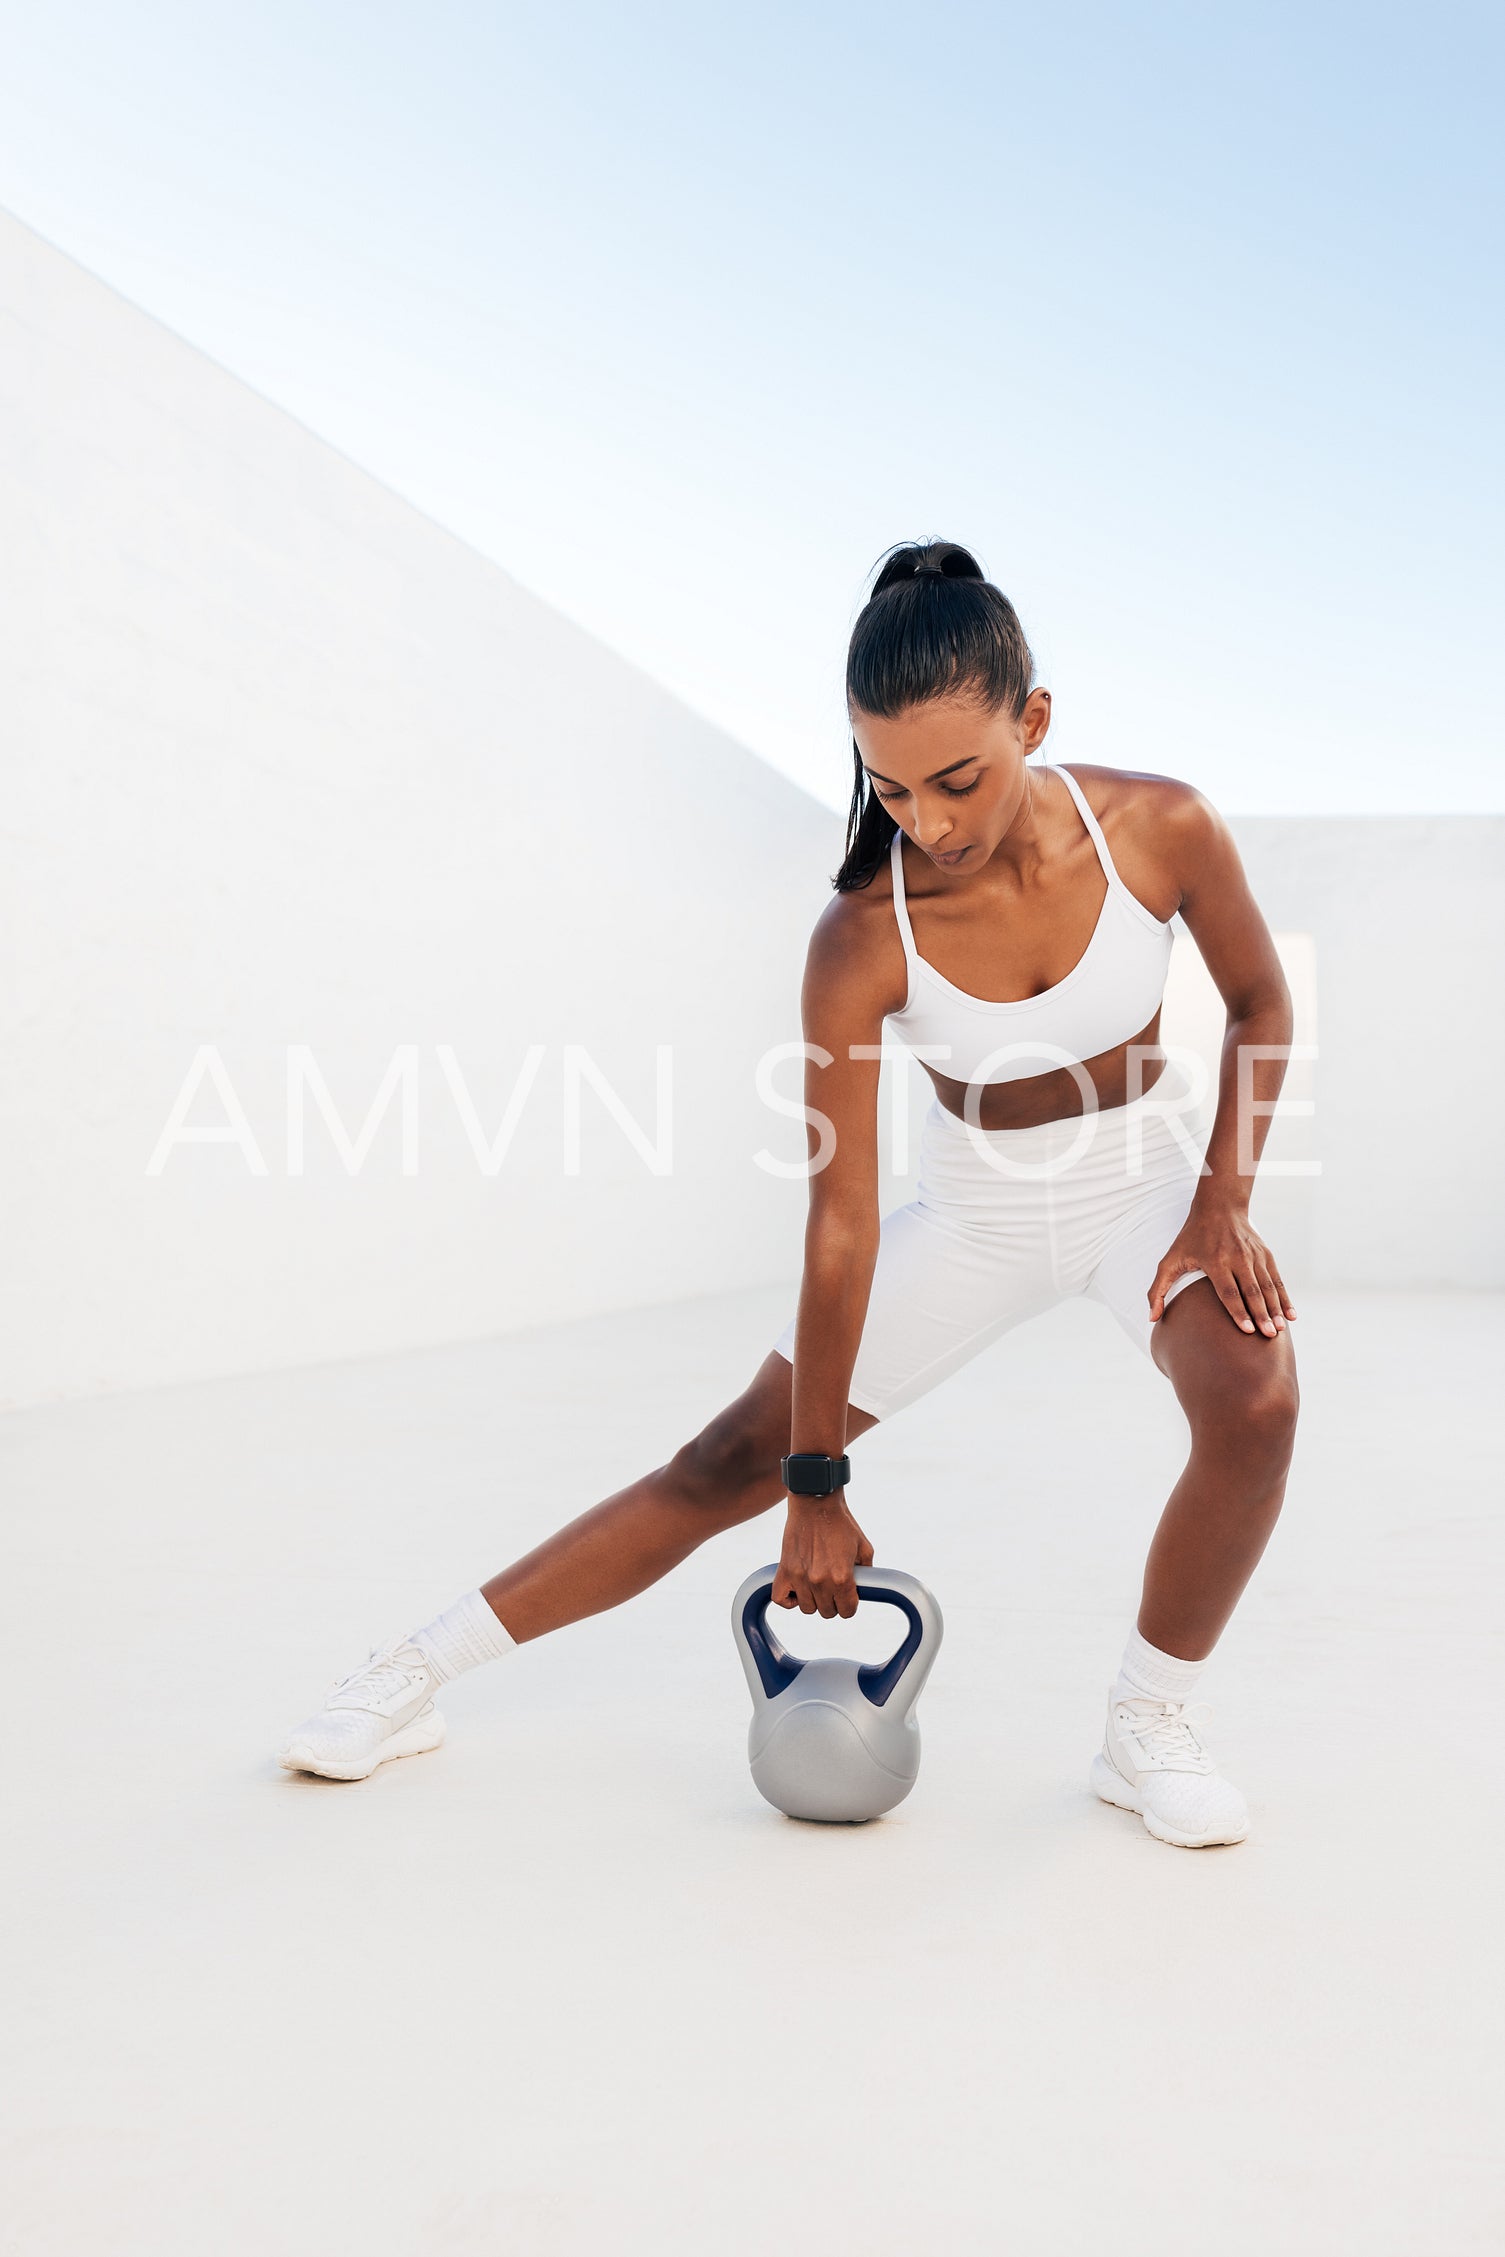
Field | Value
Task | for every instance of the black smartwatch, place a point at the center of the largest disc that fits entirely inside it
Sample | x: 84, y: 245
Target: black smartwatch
x: 809, y: 1473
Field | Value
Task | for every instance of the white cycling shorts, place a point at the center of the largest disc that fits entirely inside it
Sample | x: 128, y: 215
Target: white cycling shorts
x: 1005, y: 1223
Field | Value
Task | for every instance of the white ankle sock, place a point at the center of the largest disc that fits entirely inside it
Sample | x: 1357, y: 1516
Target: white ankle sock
x: 465, y: 1635
x: 1146, y: 1674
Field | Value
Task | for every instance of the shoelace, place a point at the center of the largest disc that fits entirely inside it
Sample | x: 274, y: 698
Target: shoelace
x: 382, y: 1674
x: 1165, y: 1729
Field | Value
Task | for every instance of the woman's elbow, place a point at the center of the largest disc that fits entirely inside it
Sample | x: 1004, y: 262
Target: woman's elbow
x: 1266, y: 1005
x: 841, y: 1228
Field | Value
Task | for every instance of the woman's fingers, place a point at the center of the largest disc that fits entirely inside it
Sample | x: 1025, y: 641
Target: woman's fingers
x: 1273, y: 1299
x: 1261, y: 1308
x: 1253, y: 1299
x: 1244, y: 1278
x: 1226, y: 1287
x: 835, y: 1592
x: 1280, y: 1285
x: 1165, y: 1278
x: 816, y: 1595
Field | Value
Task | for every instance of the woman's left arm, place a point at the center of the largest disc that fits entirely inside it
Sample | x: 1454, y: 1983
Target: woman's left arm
x: 1223, y: 919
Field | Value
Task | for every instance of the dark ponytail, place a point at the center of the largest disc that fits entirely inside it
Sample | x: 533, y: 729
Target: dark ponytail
x: 932, y: 627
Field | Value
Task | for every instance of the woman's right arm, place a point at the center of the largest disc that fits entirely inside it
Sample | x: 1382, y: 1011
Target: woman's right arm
x: 842, y: 1007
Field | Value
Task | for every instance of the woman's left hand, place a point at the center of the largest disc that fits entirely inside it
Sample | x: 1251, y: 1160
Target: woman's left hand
x: 1217, y: 1237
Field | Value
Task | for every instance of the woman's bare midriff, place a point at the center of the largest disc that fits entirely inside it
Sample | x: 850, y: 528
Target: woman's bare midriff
x: 1117, y: 1077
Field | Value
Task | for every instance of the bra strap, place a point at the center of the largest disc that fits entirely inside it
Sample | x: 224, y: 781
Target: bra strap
x: 1094, y: 828
x: 901, y: 908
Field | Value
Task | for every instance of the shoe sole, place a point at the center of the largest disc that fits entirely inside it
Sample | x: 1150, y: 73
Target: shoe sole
x: 1110, y: 1785
x: 425, y: 1732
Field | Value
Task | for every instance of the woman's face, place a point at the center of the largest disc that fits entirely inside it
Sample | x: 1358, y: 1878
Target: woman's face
x: 951, y: 773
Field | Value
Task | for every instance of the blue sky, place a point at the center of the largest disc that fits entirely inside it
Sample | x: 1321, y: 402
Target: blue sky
x: 1187, y: 318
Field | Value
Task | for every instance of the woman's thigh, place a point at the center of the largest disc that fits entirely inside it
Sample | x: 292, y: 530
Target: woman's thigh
x: 1123, y: 1275
x: 741, y: 1444
x: 939, y: 1297
x: 1224, y: 1377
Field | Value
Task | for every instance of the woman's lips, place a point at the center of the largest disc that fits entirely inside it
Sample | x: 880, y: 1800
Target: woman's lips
x: 949, y: 861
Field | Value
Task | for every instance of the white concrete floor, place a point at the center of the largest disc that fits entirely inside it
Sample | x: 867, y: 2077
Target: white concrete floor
x: 569, y: 1986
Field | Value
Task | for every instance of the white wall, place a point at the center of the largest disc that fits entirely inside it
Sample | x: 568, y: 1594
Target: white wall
x: 284, y: 763
x: 1392, y: 933
x: 1406, y: 917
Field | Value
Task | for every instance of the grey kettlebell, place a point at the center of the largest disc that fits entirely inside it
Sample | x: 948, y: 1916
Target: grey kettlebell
x: 830, y: 1738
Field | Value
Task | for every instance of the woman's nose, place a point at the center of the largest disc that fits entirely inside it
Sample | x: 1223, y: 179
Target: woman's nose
x: 929, y: 830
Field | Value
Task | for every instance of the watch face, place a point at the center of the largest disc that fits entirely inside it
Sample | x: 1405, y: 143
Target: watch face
x: 808, y: 1474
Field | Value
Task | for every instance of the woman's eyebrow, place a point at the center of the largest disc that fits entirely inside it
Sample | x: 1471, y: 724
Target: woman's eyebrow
x: 879, y: 777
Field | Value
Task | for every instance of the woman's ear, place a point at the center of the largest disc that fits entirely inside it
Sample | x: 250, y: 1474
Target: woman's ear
x: 1034, y: 720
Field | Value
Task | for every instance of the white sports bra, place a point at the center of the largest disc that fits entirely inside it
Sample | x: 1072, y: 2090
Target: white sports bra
x: 1110, y: 994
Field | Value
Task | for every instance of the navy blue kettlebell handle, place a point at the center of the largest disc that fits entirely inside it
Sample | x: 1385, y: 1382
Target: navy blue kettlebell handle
x: 777, y: 1668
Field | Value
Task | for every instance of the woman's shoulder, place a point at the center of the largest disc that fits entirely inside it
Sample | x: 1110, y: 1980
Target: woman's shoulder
x: 856, y: 938
x: 848, y: 918
x: 1157, y: 827
x: 1139, y: 794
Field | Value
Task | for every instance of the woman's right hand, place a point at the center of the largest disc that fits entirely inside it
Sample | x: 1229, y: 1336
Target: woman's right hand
x: 822, y: 1546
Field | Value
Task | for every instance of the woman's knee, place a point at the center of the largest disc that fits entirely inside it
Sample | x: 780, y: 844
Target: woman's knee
x: 732, y: 1464
x: 1252, y: 1410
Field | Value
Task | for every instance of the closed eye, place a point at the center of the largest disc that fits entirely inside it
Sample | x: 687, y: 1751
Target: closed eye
x: 952, y: 791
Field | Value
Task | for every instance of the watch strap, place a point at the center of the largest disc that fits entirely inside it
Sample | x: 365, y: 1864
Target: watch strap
x: 812, y: 1473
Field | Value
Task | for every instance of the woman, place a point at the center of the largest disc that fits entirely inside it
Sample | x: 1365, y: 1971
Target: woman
x: 1013, y: 923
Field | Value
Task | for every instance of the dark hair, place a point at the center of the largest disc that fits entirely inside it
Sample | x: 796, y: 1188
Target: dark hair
x: 932, y: 627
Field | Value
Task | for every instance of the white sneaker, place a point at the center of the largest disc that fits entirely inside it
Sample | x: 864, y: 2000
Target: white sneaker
x: 1153, y: 1762
x: 382, y: 1710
